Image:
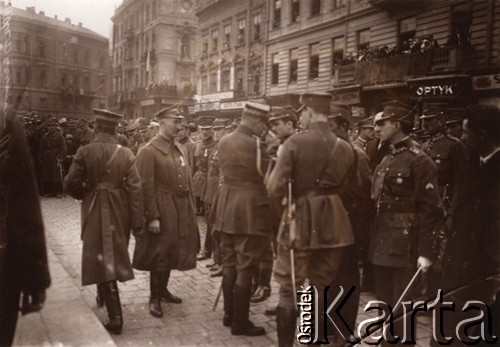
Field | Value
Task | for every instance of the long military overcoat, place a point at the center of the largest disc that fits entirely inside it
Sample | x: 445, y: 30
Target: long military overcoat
x: 52, y: 146
x: 166, y: 180
x: 111, y: 206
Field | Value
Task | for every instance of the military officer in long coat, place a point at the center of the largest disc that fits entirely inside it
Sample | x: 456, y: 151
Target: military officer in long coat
x: 24, y: 270
x: 408, y: 206
x: 171, y: 240
x: 242, y: 214
x: 104, y: 176
x: 318, y: 164
x: 51, y: 153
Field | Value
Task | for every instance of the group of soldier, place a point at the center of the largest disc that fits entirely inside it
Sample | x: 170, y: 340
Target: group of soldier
x: 298, y: 194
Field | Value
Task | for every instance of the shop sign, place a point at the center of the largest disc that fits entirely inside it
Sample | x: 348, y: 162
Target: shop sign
x: 147, y: 102
x: 349, y: 98
x: 207, y: 106
x: 216, y: 96
x: 435, y: 90
x: 231, y: 105
x: 486, y: 82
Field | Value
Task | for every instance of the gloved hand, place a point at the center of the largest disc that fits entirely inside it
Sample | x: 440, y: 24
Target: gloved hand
x: 32, y: 302
x: 424, y: 263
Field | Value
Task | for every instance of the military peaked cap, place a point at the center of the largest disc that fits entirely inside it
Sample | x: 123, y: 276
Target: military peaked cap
x: 285, y: 113
x: 219, y: 123
x: 256, y: 109
x: 395, y: 110
x: 432, y: 110
x: 340, y: 110
x: 314, y: 100
x: 366, y: 123
x: 169, y: 112
x: 106, y: 117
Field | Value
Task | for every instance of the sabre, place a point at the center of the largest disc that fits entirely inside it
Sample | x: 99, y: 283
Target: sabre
x: 217, y: 298
x: 291, y: 226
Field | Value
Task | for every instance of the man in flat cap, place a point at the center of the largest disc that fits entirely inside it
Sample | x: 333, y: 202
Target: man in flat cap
x: 104, y: 176
x: 170, y: 240
x: 408, y: 206
x: 242, y: 214
x: 317, y: 163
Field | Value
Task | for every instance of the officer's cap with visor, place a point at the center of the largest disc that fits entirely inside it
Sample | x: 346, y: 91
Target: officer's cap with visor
x: 366, y: 123
x: 286, y: 114
x: 219, y: 123
x: 340, y: 113
x: 314, y: 100
x: 258, y: 110
x: 395, y: 110
x: 172, y: 112
x: 107, y: 118
x: 432, y: 110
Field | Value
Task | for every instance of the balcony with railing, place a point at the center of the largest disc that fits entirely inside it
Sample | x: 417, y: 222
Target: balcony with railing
x: 451, y: 59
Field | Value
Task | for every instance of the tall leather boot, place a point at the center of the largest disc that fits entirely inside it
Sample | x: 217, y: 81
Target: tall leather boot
x: 109, y: 291
x: 286, y: 324
x: 155, y: 286
x: 241, y: 325
x: 228, y: 281
x: 165, y: 293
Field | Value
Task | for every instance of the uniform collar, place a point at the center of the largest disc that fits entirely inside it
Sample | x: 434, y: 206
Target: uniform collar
x: 244, y: 130
x: 162, y: 143
x: 401, y: 146
x: 437, y: 137
x: 105, y: 138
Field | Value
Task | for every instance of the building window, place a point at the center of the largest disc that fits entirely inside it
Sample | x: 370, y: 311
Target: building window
x: 257, y: 20
x: 227, y: 36
x: 238, y: 84
x: 215, y: 40
x: 275, y: 69
x: 41, y: 49
x: 294, y: 65
x: 407, y: 27
x: 87, y: 58
x: 254, y: 79
x: 86, y: 83
x: 225, y: 77
x: 461, y: 23
x: 64, y: 52
x: 213, y: 82
x: 276, y: 14
x: 363, y: 39
x: 43, y: 78
x: 43, y: 103
x: 295, y: 15
x: 313, y: 60
x: 204, y: 84
x: 241, y: 31
x: 75, y: 56
x: 101, y: 62
x: 337, y: 51
x: 315, y: 7
x: 204, y: 41
x: 337, y: 4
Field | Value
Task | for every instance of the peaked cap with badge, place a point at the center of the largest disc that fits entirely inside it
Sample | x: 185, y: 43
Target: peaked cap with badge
x: 308, y: 99
x: 169, y: 112
x: 106, y: 117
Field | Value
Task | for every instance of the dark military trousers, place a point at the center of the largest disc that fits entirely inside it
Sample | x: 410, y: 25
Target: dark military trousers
x: 9, y: 309
x: 320, y: 266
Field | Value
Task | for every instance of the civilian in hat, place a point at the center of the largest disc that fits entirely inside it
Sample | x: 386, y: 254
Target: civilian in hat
x: 318, y: 163
x: 170, y: 240
x: 409, y: 207
x: 104, y: 176
x: 242, y: 214
x: 366, y: 133
x: 24, y: 272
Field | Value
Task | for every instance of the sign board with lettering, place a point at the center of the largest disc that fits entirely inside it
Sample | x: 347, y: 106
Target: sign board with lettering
x: 434, y: 88
x: 216, y: 96
x: 207, y: 106
x: 486, y: 82
x: 147, y: 102
x: 232, y: 105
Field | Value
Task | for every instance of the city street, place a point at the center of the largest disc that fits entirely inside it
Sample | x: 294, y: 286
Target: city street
x: 71, y: 316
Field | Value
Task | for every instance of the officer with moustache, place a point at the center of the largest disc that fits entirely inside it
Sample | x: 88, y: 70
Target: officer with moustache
x: 318, y: 164
x: 409, y: 208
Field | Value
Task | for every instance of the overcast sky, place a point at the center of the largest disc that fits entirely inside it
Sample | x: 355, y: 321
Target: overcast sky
x: 94, y: 14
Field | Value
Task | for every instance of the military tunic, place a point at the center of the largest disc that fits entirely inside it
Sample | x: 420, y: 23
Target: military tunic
x: 166, y: 180
x: 201, y: 158
x: 111, y: 206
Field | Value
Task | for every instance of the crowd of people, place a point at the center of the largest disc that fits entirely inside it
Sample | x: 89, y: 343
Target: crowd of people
x: 298, y: 193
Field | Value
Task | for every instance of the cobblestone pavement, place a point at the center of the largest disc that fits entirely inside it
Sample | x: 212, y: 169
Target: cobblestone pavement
x: 192, y: 323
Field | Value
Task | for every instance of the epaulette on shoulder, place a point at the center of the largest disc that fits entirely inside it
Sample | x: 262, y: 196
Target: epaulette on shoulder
x: 414, y: 150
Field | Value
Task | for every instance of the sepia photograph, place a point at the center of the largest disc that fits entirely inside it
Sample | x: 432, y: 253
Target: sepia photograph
x: 249, y: 173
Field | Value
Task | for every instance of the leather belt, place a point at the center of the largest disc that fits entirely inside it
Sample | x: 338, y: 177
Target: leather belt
x: 396, y: 206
